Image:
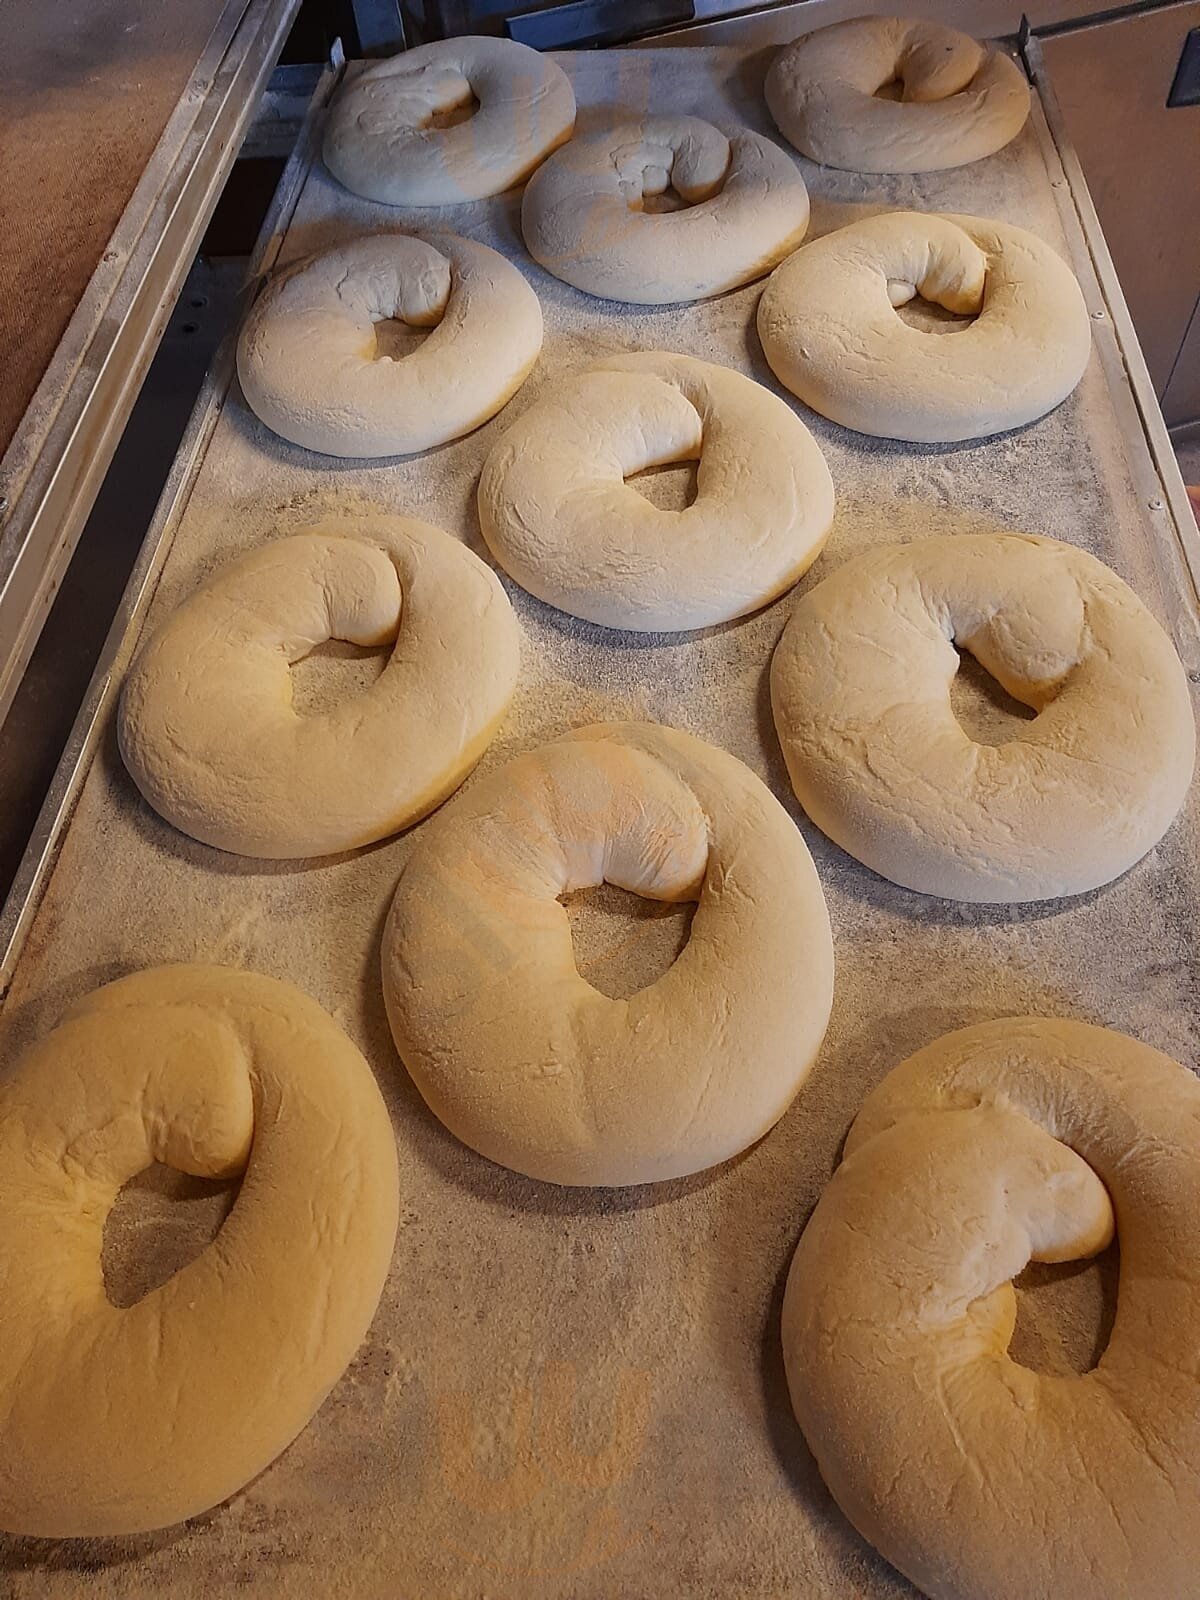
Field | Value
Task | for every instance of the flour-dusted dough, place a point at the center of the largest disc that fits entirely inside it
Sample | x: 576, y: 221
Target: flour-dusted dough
x: 207, y: 727
x: 961, y: 100
x: 559, y: 517
x: 583, y: 214
x: 1003, y: 1143
x: 830, y: 331
x: 525, y: 1061
x: 860, y: 687
x: 308, y: 357
x: 118, y: 1420
x: 381, y: 139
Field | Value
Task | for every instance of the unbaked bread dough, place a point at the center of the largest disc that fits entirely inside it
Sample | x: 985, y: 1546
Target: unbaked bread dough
x: 860, y: 687
x: 1008, y: 1142
x: 207, y: 726
x: 308, y: 356
x: 584, y: 216
x: 559, y: 517
x: 961, y: 100
x: 519, y: 1056
x: 830, y: 331
x: 118, y: 1420
x: 382, y: 140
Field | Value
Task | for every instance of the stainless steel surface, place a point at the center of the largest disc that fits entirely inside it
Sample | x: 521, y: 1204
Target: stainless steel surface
x: 1142, y: 159
x: 53, y: 468
x: 37, y: 861
x: 1162, y: 484
x: 618, y: 1354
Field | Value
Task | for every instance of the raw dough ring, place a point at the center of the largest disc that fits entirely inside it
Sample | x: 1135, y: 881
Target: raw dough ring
x: 380, y: 140
x: 207, y: 727
x: 962, y: 100
x: 559, y: 517
x: 583, y: 217
x: 519, y: 1056
x: 860, y: 687
x: 977, y: 1477
x: 830, y: 331
x: 119, y: 1420
x: 307, y: 354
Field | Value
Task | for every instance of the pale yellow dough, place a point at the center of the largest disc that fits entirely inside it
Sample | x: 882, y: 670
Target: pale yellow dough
x: 309, y: 361
x: 516, y: 1053
x: 960, y: 101
x: 382, y: 139
x: 558, y: 515
x: 208, y: 729
x: 831, y: 333
x: 1007, y: 1142
x: 121, y: 1420
x: 860, y: 689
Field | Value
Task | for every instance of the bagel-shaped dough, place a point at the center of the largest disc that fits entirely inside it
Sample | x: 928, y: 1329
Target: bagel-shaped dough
x: 308, y: 357
x: 961, y: 100
x: 583, y: 217
x: 381, y: 141
x: 118, y: 1420
x: 830, y: 331
x: 979, y: 1479
x: 860, y: 687
x: 519, y: 1056
x: 559, y: 517
x: 207, y: 726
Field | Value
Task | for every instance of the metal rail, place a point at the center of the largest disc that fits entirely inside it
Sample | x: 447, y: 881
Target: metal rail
x: 53, y: 468
x: 88, y: 728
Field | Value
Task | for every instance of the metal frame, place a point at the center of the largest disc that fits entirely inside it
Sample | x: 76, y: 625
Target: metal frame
x: 1169, y: 499
x: 53, y: 468
x: 88, y: 728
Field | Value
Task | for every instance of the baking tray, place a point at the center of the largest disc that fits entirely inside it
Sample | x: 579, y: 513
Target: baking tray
x: 577, y: 1395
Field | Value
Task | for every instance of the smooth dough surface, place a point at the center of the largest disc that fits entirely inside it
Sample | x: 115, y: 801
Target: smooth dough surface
x: 960, y: 100
x: 559, y: 517
x: 207, y: 724
x: 529, y: 1064
x: 860, y: 688
x: 308, y: 356
x: 382, y: 139
x: 1009, y: 1142
x: 829, y: 327
x: 118, y: 1420
x: 584, y: 215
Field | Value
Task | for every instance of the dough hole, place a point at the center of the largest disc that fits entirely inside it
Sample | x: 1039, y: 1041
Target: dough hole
x: 1065, y: 1314
x: 985, y: 711
x: 395, y: 338
x: 451, y: 116
x: 660, y: 204
x: 333, y: 672
x: 161, y: 1220
x: 671, y: 487
x: 624, y: 942
x: 893, y: 89
x: 928, y: 317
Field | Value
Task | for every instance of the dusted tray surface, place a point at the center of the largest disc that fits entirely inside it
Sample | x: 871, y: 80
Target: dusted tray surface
x: 570, y: 1395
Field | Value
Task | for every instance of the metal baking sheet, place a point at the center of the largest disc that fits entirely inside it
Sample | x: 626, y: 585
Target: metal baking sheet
x: 575, y: 1395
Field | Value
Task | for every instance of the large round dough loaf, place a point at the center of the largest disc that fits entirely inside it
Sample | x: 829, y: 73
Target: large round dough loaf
x: 208, y: 728
x: 309, y: 359
x: 980, y: 1479
x: 524, y: 1060
x: 382, y: 139
x: 118, y: 1420
x: 860, y: 687
x: 829, y: 328
x: 585, y: 219
x: 558, y: 515
x: 960, y: 100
